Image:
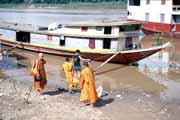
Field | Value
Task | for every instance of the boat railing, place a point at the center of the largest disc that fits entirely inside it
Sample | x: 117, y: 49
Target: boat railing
x: 133, y: 46
x: 129, y: 33
x: 176, y: 8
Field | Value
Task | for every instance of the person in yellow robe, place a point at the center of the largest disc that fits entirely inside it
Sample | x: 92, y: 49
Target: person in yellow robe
x: 87, y: 85
x: 39, y: 63
x: 68, y: 69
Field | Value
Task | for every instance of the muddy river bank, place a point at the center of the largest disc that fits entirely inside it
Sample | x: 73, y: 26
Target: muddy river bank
x: 56, y: 103
x: 144, y: 92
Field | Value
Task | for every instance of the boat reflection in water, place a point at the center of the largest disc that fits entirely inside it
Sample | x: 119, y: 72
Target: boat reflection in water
x: 159, y: 67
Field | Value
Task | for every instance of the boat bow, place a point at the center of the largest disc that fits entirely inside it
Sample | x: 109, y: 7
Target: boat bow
x: 129, y: 56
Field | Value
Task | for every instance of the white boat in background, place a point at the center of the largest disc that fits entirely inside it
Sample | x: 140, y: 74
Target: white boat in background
x: 159, y: 16
x: 97, y: 40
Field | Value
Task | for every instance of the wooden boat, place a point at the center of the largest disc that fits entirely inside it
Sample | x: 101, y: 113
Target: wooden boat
x: 97, y: 40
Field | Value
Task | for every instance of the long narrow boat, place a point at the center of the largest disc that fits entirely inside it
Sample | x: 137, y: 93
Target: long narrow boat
x: 97, y: 40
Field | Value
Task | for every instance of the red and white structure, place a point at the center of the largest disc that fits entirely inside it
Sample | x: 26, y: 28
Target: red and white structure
x: 158, y: 15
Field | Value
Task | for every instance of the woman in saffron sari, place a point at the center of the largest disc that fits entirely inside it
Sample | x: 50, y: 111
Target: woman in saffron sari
x: 39, y: 83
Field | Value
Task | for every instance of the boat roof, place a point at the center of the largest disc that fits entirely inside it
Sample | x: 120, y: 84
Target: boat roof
x: 102, y: 23
x: 23, y: 27
x: 35, y: 29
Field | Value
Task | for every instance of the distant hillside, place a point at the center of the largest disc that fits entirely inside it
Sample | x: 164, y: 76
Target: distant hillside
x: 56, y: 1
x: 64, y: 4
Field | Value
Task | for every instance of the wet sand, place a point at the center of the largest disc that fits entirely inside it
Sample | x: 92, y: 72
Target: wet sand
x: 145, y: 92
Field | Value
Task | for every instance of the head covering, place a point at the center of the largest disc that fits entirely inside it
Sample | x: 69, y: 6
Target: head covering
x: 85, y: 63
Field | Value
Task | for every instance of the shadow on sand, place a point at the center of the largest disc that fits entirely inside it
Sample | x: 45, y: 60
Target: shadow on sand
x: 60, y: 91
x: 110, y: 70
x: 102, y: 102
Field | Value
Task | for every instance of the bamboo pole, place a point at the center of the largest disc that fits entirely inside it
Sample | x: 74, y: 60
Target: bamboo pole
x: 105, y: 62
x: 14, y: 47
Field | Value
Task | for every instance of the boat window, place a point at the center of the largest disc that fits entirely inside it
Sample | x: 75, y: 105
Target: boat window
x: 23, y: 36
x: 128, y: 13
x: 107, y: 43
x: 122, y: 29
x: 146, y: 17
x: 98, y: 28
x: 147, y: 2
x: 134, y: 2
x: 163, y: 2
x: 49, y: 37
x: 92, y: 43
x: 128, y: 43
x: 176, y: 2
x: 176, y: 19
x: 84, y: 29
x: 62, y: 42
x: 162, y: 18
x: 129, y: 28
x: 107, y: 30
x: 42, y: 28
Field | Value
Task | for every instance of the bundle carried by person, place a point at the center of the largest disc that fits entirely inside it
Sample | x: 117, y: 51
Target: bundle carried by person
x: 34, y: 72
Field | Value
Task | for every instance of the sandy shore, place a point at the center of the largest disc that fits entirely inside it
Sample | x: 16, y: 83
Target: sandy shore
x: 57, y: 104
x: 52, y: 105
x: 126, y: 102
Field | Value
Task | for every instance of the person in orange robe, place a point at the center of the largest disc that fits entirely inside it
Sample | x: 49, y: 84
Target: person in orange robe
x: 39, y: 85
x: 68, y: 69
x: 87, y: 85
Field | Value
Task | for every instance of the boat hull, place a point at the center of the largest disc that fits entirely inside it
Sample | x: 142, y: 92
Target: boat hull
x: 165, y: 34
x: 124, y: 57
x: 155, y: 27
x: 166, y: 29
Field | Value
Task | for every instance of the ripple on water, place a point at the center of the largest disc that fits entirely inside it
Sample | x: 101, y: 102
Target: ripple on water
x: 11, y: 62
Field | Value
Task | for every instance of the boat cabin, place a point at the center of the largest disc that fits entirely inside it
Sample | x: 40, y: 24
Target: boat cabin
x: 159, y: 15
x: 86, y: 36
x: 107, y: 35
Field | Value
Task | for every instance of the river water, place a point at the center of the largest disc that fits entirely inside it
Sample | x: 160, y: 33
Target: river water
x: 158, y: 74
x: 43, y: 17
